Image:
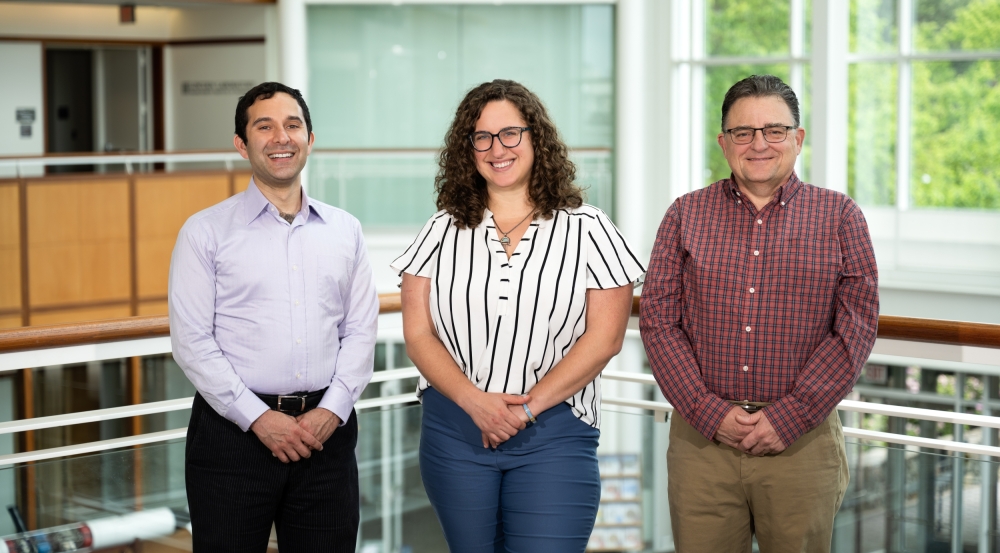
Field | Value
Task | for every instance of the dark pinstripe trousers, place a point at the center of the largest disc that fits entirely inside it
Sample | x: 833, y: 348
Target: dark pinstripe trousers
x: 236, y: 488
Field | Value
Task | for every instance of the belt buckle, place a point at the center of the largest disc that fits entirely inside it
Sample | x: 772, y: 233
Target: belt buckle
x: 300, y: 408
x: 750, y: 409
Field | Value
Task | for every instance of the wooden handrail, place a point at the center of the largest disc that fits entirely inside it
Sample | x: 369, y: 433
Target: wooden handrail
x: 913, y: 329
x: 113, y: 330
x: 73, y: 334
x: 938, y: 331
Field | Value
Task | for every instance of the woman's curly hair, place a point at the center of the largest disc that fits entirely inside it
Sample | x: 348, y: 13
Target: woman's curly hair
x: 461, y: 190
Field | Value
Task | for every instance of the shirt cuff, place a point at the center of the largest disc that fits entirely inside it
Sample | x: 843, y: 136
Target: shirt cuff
x: 246, y: 409
x: 788, y: 419
x: 337, y: 401
x: 709, y: 414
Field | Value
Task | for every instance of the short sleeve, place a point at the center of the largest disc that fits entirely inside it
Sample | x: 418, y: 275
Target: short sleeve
x: 611, y: 261
x: 418, y: 259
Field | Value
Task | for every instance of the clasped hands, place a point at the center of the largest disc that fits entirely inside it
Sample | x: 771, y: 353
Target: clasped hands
x: 293, y: 438
x: 750, y: 433
x: 498, y: 416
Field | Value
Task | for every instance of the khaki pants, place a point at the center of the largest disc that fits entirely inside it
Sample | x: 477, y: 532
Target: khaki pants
x: 719, y: 496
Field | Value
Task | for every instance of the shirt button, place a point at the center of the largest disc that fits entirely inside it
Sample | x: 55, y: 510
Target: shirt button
x: 737, y: 193
x: 782, y: 203
x: 296, y: 302
x: 298, y: 375
x: 739, y: 201
x: 760, y: 222
x: 756, y: 252
x: 748, y: 329
x: 299, y: 340
x: 745, y: 368
x: 751, y: 291
x: 295, y: 267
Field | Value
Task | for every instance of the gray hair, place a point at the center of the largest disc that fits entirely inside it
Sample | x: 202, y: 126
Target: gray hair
x: 758, y: 86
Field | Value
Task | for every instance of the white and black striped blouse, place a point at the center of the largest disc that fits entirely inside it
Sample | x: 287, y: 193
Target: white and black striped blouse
x: 507, y: 322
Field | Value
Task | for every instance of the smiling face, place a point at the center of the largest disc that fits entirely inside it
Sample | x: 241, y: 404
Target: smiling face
x: 278, y: 142
x: 760, y: 165
x: 505, y: 169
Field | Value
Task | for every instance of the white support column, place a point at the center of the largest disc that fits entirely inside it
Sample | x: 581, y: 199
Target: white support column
x: 829, y: 98
x: 903, y: 99
x: 630, y: 118
x: 294, y: 53
x: 681, y: 119
x: 796, y: 47
x: 294, y: 67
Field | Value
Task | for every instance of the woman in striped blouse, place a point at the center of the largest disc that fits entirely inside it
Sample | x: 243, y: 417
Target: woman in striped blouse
x: 516, y: 294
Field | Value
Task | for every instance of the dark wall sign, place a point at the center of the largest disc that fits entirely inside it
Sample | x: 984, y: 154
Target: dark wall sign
x: 25, y: 118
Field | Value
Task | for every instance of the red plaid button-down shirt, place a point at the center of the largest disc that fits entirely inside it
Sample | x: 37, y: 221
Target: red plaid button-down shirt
x: 778, y: 305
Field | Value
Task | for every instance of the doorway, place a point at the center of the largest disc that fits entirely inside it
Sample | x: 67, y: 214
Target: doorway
x: 99, y: 99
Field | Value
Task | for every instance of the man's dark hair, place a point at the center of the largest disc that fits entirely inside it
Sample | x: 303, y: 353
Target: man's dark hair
x: 758, y: 86
x: 263, y: 91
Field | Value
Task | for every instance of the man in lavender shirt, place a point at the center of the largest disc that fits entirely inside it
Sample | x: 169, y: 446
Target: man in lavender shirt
x: 273, y: 317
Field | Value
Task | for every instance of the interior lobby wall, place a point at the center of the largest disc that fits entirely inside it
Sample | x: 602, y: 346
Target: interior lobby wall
x: 21, y: 66
x: 202, y: 84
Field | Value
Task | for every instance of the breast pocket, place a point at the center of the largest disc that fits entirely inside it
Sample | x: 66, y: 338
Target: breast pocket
x: 808, y: 270
x: 333, y: 274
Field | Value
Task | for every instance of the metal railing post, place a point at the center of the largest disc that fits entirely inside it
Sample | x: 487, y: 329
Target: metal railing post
x: 958, y: 471
x: 895, y: 479
x: 987, y: 477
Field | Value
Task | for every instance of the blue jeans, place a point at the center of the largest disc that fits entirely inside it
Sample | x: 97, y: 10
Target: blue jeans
x: 539, y: 491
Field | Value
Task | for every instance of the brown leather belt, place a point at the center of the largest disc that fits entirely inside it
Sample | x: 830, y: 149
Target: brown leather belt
x: 750, y: 406
x: 294, y: 403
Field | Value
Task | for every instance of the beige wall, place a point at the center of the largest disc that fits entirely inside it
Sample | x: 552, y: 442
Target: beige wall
x: 21, y: 71
x: 152, y: 23
x: 199, y: 119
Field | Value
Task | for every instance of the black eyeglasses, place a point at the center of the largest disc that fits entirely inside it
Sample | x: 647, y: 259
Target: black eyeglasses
x: 510, y: 137
x: 744, y: 135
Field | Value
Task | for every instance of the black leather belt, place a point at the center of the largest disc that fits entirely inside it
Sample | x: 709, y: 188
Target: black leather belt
x: 294, y: 403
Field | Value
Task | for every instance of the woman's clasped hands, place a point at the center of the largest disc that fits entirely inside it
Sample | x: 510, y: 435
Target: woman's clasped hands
x: 498, y: 416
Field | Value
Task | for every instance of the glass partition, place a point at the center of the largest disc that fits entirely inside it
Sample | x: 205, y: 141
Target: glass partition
x: 388, y: 79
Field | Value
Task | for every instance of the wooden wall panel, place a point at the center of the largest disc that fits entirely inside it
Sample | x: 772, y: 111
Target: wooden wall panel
x: 152, y: 308
x: 163, y: 203
x: 79, y: 315
x: 78, y: 242
x: 241, y: 180
x: 10, y: 321
x: 10, y: 248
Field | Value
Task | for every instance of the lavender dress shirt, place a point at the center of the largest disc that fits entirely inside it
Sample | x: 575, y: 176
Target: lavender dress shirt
x: 261, y: 305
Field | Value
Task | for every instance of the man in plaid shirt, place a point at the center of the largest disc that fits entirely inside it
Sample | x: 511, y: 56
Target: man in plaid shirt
x: 758, y: 312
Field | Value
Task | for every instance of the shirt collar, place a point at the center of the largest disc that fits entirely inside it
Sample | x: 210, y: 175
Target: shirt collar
x: 784, y: 193
x: 254, y: 203
x: 539, y: 222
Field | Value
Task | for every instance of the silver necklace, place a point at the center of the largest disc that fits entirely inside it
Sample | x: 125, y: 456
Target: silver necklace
x: 504, y: 239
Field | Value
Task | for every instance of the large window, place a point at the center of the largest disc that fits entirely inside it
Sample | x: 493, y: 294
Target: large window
x: 906, y: 123
x: 743, y: 38
x: 728, y: 41
x: 924, y: 103
x: 387, y: 79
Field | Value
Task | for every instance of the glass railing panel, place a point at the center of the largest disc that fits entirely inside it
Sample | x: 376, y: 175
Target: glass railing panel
x: 907, y: 499
x: 396, y: 515
x: 899, y: 498
x: 88, y: 487
x: 633, y: 513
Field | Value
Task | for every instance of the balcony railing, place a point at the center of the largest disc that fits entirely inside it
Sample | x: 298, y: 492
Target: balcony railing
x: 629, y: 392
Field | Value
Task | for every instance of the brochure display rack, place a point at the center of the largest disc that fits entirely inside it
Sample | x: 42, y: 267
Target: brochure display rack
x: 619, y: 517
